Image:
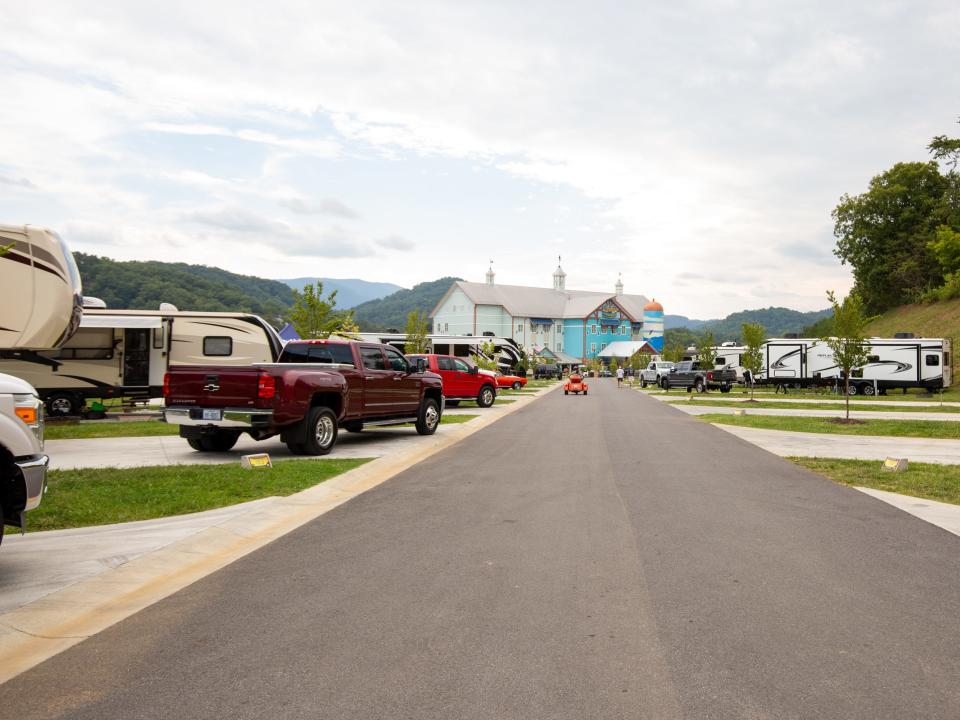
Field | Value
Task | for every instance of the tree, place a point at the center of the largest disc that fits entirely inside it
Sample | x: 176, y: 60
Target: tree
x: 314, y: 316
x: 884, y: 233
x: 416, y: 331
x: 753, y: 338
x: 486, y: 357
x: 946, y: 149
x: 639, y: 361
x: 705, y: 351
x: 847, y: 344
x: 614, y: 365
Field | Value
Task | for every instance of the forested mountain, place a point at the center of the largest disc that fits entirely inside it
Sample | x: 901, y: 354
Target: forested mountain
x: 776, y: 320
x: 350, y: 291
x: 144, y: 285
x: 682, y: 321
x: 392, y: 311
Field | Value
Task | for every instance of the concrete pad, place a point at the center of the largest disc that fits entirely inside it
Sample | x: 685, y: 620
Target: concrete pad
x: 739, y: 398
x: 699, y: 409
x: 937, y: 513
x: 854, y: 447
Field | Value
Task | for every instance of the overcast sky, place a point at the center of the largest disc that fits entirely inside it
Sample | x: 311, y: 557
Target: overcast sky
x: 695, y: 147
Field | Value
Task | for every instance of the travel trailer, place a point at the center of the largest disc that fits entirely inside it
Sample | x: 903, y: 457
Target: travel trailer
x: 459, y: 345
x: 40, y: 300
x: 726, y: 356
x: 900, y: 362
x: 125, y: 353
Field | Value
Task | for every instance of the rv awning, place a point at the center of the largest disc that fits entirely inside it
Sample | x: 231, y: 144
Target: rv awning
x: 121, y: 321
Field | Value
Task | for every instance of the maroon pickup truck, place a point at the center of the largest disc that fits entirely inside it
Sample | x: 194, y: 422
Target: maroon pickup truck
x: 315, y: 387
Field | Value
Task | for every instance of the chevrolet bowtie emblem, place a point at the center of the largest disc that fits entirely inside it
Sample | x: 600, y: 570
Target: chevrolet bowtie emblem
x: 211, y: 387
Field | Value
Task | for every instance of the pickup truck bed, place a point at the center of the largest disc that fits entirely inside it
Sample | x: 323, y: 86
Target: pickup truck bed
x: 690, y: 375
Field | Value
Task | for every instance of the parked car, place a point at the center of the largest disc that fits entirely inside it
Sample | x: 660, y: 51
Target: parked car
x: 462, y: 380
x: 546, y: 372
x: 652, y: 373
x: 575, y: 385
x: 315, y: 388
x: 690, y: 375
x: 509, y: 380
x: 605, y: 372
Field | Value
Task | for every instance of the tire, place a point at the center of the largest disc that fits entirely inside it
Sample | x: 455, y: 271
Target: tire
x: 866, y: 389
x: 689, y: 389
x: 851, y: 389
x: 296, y: 448
x: 428, y: 418
x: 321, y: 431
x: 452, y: 403
x: 664, y: 383
x: 353, y: 427
x: 725, y: 389
x: 566, y: 392
x: 486, y: 396
x: 698, y: 386
x: 62, y: 404
x: 196, y: 444
x: 643, y: 382
x: 516, y: 385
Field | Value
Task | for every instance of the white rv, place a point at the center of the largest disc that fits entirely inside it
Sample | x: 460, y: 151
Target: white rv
x: 726, y: 356
x: 900, y: 362
x: 125, y: 353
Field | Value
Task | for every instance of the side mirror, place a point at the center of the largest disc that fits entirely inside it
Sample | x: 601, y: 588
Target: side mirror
x: 420, y: 365
x: 474, y: 370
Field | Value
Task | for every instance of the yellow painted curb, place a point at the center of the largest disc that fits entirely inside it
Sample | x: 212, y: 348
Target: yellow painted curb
x: 39, y: 630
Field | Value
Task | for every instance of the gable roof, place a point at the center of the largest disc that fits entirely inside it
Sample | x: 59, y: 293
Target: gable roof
x: 523, y: 301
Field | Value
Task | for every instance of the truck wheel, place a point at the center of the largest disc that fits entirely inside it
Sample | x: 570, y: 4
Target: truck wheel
x: 452, y: 403
x: 852, y: 389
x: 321, y: 431
x: 698, y: 385
x: 643, y: 382
x: 516, y: 385
x: 486, y: 397
x: 725, y: 388
x: 196, y: 444
x: 665, y: 384
x: 428, y: 418
x: 62, y: 404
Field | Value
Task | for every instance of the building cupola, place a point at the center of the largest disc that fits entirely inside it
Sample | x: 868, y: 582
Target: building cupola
x: 619, y: 286
x: 559, y: 277
x: 490, y: 274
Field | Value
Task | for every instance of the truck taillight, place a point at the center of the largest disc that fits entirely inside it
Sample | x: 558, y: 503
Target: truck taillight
x: 166, y: 385
x: 266, y: 386
x: 709, y: 376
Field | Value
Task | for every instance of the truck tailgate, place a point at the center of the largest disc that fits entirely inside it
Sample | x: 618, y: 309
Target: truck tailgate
x: 212, y: 386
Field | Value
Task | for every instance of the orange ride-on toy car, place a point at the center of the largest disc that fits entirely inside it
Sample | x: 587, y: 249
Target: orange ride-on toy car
x: 575, y: 385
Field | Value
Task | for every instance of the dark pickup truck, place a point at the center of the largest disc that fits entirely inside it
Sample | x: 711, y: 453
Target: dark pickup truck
x: 315, y: 387
x: 688, y: 374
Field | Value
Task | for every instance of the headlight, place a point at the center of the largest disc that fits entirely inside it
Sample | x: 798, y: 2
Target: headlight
x: 30, y: 410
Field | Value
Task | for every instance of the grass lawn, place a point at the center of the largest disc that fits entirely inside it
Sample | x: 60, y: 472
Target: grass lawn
x: 99, y: 496
x: 75, y: 430
x: 895, y: 428
x: 774, y: 405
x: 923, y: 480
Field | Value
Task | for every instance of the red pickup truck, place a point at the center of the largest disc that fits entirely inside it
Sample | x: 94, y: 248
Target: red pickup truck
x: 462, y: 380
x: 314, y: 388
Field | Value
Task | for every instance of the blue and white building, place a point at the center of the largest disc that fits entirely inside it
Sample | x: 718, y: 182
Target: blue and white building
x: 574, y: 325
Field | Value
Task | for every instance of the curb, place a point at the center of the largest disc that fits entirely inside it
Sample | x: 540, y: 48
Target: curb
x: 46, y: 627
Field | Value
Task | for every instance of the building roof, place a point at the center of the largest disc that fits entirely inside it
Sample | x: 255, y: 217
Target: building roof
x: 626, y: 349
x: 523, y: 301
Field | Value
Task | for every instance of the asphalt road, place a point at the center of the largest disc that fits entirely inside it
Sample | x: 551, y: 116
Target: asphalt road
x: 586, y: 557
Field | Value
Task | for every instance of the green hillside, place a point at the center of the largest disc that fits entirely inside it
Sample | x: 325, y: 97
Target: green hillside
x: 776, y: 320
x: 392, y: 311
x: 144, y: 285
x: 940, y: 319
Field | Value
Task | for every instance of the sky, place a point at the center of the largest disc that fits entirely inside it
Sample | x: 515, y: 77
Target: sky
x: 695, y: 148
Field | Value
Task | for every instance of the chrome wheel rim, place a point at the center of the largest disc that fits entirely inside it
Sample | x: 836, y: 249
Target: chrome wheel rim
x: 324, y: 431
x: 487, y: 397
x: 431, y: 416
x: 60, y: 406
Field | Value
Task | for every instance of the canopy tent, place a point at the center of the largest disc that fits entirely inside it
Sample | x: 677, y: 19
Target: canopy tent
x: 626, y: 349
x: 288, y: 332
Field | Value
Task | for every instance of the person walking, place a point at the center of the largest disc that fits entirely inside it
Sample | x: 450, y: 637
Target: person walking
x: 619, y: 377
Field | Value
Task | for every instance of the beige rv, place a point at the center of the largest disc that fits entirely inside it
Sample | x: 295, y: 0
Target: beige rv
x: 125, y: 353
x: 40, y: 299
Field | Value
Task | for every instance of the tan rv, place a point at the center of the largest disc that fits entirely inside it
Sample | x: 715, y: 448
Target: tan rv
x: 40, y: 297
x: 125, y: 353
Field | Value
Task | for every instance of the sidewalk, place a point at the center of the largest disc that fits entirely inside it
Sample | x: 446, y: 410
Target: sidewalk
x: 700, y: 409
x: 740, y: 397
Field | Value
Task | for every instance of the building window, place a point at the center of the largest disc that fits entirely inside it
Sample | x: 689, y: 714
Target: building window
x: 603, y: 346
x: 559, y: 347
x: 519, y: 327
x: 593, y: 329
x: 593, y: 348
x: 559, y: 329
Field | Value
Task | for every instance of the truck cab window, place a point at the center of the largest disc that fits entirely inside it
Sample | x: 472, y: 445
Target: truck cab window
x: 396, y: 360
x: 461, y: 366
x: 372, y: 358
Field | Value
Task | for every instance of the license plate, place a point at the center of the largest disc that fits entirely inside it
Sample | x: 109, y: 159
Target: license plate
x: 211, y: 414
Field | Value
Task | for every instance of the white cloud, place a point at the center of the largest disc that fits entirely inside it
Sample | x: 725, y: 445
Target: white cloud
x: 396, y: 242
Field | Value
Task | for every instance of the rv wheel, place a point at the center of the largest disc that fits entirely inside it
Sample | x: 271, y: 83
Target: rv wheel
x: 851, y: 389
x: 866, y: 389
x: 62, y: 404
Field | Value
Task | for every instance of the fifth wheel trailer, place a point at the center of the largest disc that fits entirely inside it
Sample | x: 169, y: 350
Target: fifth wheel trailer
x: 891, y: 363
x: 125, y: 353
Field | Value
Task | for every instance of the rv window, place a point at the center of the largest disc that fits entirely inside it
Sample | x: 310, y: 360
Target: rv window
x: 720, y: 362
x: 873, y: 358
x: 933, y: 360
x: 158, y: 337
x: 217, y: 346
x: 75, y: 353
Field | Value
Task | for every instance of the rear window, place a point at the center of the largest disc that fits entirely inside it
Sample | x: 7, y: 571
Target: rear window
x: 317, y: 353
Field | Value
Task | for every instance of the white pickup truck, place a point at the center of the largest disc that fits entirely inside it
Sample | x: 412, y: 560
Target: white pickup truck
x: 40, y: 306
x: 651, y: 374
